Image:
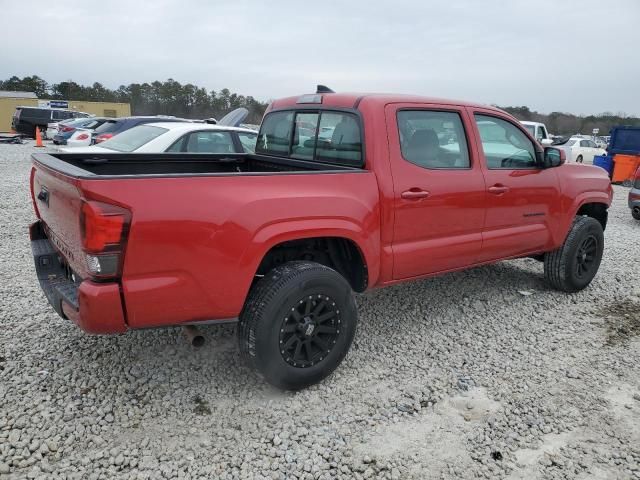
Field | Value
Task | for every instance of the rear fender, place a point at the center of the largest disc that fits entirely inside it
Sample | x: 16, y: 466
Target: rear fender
x: 275, y: 233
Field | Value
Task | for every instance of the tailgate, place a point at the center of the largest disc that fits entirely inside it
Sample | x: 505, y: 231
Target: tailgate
x: 58, y: 201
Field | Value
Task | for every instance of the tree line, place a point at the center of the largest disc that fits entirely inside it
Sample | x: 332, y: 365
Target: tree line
x: 559, y: 123
x: 190, y: 101
x: 156, y: 98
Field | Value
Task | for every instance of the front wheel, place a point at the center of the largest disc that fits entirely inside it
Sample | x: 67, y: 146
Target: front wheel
x: 298, y: 324
x: 571, y: 267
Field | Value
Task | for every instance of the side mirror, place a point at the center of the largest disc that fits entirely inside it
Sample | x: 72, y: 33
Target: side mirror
x: 546, y: 141
x: 553, y: 157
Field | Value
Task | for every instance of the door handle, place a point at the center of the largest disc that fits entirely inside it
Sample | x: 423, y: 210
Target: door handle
x: 498, y: 189
x: 415, y: 194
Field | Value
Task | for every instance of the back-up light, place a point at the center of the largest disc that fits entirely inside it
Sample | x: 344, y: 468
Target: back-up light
x: 104, y: 230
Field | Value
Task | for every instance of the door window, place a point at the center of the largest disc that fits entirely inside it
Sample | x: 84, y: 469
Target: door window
x: 505, y: 145
x: 433, y: 139
x: 248, y: 141
x: 208, y: 142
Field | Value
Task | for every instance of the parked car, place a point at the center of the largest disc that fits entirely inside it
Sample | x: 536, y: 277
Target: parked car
x: 538, y: 131
x: 634, y: 196
x: 581, y: 150
x: 278, y: 240
x: 115, y: 126
x: 176, y: 137
x: 53, y: 127
x: 67, y: 129
x: 27, y: 119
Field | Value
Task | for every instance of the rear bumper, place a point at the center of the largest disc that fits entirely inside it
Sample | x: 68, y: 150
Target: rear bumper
x: 94, y: 307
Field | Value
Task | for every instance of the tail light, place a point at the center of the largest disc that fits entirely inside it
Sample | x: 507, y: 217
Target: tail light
x: 82, y: 136
x: 103, y: 137
x: 64, y: 128
x: 104, y: 230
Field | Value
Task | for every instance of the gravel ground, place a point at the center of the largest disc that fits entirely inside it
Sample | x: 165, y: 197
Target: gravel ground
x: 462, y: 376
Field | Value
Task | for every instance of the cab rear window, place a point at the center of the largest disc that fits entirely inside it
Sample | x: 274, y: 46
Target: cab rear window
x: 325, y: 136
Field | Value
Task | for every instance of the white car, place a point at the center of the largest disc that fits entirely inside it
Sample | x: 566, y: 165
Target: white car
x: 538, y: 131
x: 581, y: 150
x: 176, y: 137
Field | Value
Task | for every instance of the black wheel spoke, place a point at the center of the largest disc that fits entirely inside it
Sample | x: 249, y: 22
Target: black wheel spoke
x: 290, y: 328
x: 307, y: 306
x: 327, y: 329
x: 307, y: 350
x: 296, y: 353
x: 289, y: 343
x: 325, y: 316
x: 319, y: 306
x: 321, y: 343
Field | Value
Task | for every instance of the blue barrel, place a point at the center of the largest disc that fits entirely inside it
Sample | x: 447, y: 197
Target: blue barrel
x: 604, y: 161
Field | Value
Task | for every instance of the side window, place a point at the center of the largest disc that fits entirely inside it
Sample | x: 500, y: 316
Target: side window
x: 584, y: 143
x: 248, y: 141
x: 543, y: 133
x: 275, y: 133
x: 433, y: 139
x: 505, y: 145
x: 178, y: 145
x: 209, y: 142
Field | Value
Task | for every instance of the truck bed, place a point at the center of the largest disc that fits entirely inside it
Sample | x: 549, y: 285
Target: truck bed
x: 119, y: 165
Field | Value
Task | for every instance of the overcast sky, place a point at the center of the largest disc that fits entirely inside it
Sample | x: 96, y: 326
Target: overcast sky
x: 577, y: 56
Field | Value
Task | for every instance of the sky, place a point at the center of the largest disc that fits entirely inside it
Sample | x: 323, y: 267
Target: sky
x: 578, y: 56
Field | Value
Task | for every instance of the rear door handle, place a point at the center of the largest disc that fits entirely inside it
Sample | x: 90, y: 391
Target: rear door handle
x: 498, y: 189
x: 415, y: 194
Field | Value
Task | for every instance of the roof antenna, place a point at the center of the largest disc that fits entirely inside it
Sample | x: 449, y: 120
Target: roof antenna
x: 324, y: 89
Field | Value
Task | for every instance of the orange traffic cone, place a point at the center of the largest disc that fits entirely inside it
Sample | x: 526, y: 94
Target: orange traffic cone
x: 38, y: 138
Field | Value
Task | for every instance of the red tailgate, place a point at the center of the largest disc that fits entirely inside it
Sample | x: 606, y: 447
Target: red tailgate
x: 58, y: 201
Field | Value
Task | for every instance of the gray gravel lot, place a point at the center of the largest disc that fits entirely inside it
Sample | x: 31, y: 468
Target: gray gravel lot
x: 461, y: 376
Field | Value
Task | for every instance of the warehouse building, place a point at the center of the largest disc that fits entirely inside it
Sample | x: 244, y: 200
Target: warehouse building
x: 10, y: 100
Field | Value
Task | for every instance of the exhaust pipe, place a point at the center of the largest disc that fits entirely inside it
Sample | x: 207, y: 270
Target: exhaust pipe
x: 194, y: 337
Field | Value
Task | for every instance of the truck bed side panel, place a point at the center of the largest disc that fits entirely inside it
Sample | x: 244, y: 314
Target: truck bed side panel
x: 195, y: 243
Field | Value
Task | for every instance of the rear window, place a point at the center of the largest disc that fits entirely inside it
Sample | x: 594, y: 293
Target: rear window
x: 324, y: 136
x: 106, y: 127
x: 132, y: 139
x: 36, y: 113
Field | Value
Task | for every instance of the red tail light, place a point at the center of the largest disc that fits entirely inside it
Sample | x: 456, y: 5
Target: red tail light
x: 103, y: 137
x: 82, y: 136
x: 104, y: 230
x: 64, y: 128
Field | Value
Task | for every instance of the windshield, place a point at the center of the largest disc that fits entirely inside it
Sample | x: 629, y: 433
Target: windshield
x: 106, y: 127
x: 531, y: 129
x: 132, y: 139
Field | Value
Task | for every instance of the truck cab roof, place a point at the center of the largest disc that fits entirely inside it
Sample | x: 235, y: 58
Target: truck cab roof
x: 353, y: 100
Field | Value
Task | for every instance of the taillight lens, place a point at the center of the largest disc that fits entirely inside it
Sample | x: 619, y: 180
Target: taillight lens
x: 104, y: 229
x: 82, y: 136
x: 103, y: 137
x: 66, y: 129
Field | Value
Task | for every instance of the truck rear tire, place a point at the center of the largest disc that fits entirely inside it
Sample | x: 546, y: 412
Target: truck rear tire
x: 297, y: 324
x: 571, y: 267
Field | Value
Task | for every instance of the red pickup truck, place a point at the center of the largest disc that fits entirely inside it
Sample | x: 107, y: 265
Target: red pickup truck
x: 345, y: 192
